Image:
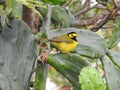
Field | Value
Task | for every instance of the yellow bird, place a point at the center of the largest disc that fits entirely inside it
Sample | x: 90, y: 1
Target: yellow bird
x: 65, y: 43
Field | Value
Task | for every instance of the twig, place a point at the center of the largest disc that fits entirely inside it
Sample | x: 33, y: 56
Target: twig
x: 106, y: 27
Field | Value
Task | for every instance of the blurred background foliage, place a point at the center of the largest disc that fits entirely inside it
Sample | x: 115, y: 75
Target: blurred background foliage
x: 97, y: 23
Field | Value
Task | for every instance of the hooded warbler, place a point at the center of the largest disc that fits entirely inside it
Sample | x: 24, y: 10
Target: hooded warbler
x: 65, y: 43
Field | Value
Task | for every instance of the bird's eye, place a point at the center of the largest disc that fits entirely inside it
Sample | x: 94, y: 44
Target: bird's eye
x: 71, y: 35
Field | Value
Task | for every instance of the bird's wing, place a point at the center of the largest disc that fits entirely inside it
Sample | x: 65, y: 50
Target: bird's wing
x: 63, y: 38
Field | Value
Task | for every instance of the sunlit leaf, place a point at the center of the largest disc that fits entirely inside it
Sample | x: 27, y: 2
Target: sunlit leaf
x: 15, y: 7
x: 90, y: 79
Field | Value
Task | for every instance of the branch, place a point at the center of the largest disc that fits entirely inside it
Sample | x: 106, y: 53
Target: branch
x: 97, y: 6
x: 85, y: 7
x: 98, y: 20
x: 90, y: 21
x: 108, y: 17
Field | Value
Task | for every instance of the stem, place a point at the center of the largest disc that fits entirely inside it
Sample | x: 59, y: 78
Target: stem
x: 101, y: 60
x: 42, y: 69
x: 47, y: 29
x: 97, y: 64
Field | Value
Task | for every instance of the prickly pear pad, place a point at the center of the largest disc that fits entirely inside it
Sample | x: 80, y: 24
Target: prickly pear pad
x: 90, y: 79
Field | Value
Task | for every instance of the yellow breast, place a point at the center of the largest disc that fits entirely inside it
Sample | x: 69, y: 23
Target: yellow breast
x: 65, y: 47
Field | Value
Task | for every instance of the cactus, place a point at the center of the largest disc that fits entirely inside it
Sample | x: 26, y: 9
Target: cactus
x: 17, y: 56
x: 68, y: 65
x: 90, y: 79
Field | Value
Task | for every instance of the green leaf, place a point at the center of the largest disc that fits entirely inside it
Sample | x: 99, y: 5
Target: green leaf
x: 115, y: 37
x: 90, y: 79
x: 54, y: 2
x: 16, y: 8
x: 112, y: 74
x: 114, y: 57
x: 17, y: 56
x: 89, y: 43
x: 60, y: 17
x: 41, y: 76
x: 69, y: 65
x: 1, y: 2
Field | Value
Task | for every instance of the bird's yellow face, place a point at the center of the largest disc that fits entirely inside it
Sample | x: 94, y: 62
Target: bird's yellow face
x: 72, y: 35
